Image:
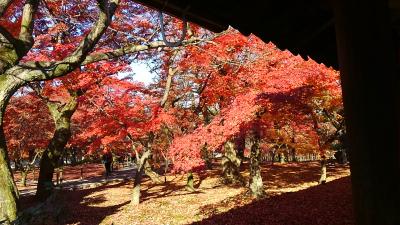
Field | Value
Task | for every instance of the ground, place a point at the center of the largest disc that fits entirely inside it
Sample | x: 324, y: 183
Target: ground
x: 293, y: 197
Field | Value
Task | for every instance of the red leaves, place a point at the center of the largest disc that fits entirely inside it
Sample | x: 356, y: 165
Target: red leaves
x: 27, y: 125
x: 254, y: 83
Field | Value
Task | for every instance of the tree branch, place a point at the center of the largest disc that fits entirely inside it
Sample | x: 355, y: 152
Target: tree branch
x: 129, y: 49
x: 35, y: 71
x: 107, y: 9
x: 4, y: 5
x: 38, y: 91
x: 8, y: 36
x: 26, y: 31
x: 171, y: 73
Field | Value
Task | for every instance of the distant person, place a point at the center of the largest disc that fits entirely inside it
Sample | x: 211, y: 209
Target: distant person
x: 107, y: 161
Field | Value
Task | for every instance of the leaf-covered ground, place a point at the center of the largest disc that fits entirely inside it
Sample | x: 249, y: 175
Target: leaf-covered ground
x: 293, y: 198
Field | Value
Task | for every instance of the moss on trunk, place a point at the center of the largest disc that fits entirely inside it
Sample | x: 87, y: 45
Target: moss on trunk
x: 62, y: 119
x: 230, y: 165
x: 8, y: 189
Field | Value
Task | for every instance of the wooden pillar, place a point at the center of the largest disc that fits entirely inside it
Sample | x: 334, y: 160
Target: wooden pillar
x: 371, y: 98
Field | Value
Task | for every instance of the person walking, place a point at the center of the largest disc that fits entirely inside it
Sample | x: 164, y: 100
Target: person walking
x: 107, y: 161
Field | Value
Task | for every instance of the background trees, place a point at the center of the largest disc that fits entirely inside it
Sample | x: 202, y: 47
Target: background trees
x: 213, y: 90
x: 258, y: 88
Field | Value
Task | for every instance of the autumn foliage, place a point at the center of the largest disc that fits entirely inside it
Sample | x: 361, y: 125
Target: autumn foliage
x: 74, y: 82
x: 255, y: 83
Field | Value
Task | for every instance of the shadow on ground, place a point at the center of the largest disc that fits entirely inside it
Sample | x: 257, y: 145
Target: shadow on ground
x: 291, y: 199
x: 328, y: 204
x: 81, y: 209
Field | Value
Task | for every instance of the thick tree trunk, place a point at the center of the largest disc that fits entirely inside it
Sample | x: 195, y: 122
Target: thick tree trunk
x: 8, y: 189
x: 136, y: 187
x: 230, y: 165
x: 322, y: 179
x: 51, y: 156
x: 256, y: 183
x: 138, y: 177
x: 45, y: 181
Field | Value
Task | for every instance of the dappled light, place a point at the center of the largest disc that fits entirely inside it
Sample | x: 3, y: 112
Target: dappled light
x: 324, y: 204
x: 113, y: 112
x: 213, y: 202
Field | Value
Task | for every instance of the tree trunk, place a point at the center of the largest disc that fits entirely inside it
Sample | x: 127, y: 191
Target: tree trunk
x: 205, y: 155
x: 281, y: 157
x: 166, y: 165
x: 230, y: 165
x: 8, y: 189
x: 136, y: 189
x: 322, y: 179
x: 293, y: 152
x: 256, y: 183
x: 45, y: 180
x: 273, y: 157
x: 81, y: 177
x: 138, y: 177
x: 189, y: 183
x: 59, y: 175
x: 23, y: 177
x: 155, y: 177
x: 51, y: 156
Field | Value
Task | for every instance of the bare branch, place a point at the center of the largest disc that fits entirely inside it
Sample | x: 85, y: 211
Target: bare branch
x: 28, y: 13
x: 129, y: 49
x: 107, y: 9
x: 171, y: 73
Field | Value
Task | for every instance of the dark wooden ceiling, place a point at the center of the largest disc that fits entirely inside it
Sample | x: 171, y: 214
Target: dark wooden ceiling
x: 304, y: 27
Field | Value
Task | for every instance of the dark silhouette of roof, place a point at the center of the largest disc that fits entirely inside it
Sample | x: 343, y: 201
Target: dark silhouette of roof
x: 304, y: 27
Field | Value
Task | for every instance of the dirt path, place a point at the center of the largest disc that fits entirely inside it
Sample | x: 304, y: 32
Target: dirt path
x: 293, y: 198
x: 93, y: 177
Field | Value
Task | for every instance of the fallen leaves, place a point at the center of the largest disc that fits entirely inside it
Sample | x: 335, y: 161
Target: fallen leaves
x: 293, y: 197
